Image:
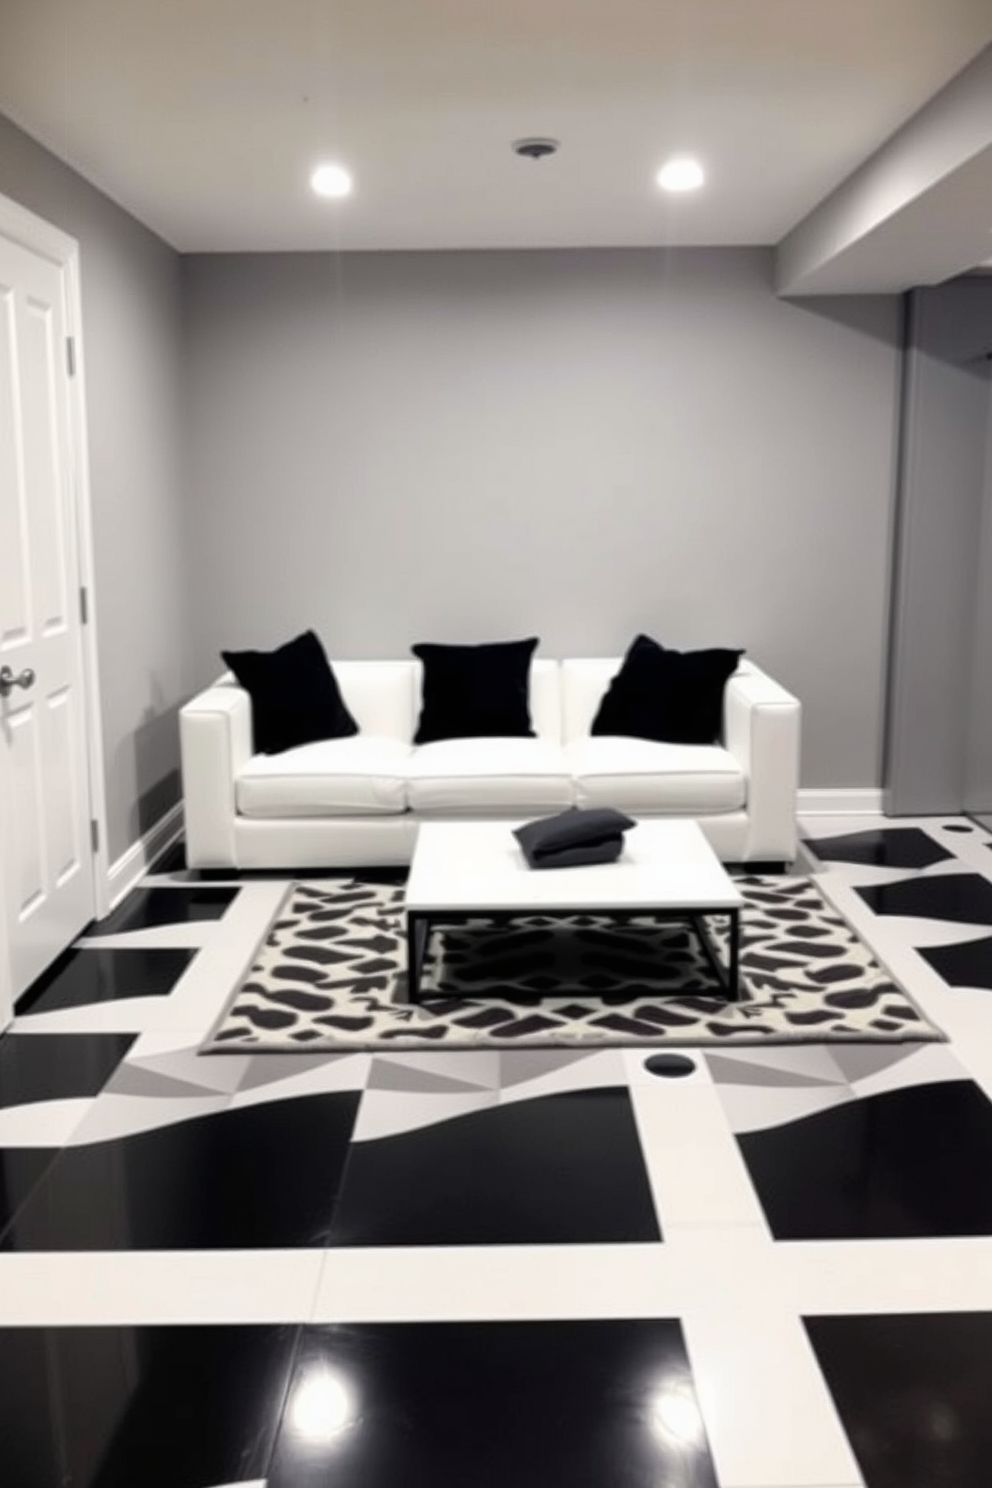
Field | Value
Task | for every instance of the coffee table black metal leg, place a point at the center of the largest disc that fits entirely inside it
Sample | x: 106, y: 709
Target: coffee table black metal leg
x: 728, y: 976
x: 734, y: 967
x: 417, y: 926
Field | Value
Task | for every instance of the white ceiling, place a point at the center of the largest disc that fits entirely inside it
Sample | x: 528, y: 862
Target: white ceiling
x: 204, y: 117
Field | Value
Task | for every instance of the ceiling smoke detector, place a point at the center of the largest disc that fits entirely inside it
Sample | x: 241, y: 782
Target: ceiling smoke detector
x: 535, y: 149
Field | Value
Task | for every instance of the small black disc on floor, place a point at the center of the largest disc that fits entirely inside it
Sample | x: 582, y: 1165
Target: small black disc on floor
x: 671, y: 1065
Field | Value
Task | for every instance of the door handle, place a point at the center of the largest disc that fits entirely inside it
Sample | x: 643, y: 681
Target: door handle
x: 8, y: 681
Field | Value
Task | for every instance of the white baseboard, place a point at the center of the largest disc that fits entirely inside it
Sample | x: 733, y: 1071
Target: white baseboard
x: 132, y: 865
x: 843, y: 802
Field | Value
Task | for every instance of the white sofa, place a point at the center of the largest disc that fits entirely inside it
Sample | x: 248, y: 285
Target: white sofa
x: 351, y: 803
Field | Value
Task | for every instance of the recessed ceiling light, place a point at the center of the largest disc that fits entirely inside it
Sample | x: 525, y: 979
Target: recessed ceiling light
x: 331, y: 180
x: 681, y: 173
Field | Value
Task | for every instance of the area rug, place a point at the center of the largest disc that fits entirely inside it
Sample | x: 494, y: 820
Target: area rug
x: 330, y: 974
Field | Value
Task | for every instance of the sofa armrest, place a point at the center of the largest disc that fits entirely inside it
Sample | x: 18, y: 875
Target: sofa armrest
x: 762, y: 731
x: 215, y: 739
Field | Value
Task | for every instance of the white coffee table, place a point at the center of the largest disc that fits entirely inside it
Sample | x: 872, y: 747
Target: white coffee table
x: 462, y: 870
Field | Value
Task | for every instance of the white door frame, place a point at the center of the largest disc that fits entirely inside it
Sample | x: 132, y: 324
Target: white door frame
x: 6, y: 967
x: 37, y: 235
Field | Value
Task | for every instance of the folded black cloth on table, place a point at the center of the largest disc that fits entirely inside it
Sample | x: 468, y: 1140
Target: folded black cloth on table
x: 574, y: 837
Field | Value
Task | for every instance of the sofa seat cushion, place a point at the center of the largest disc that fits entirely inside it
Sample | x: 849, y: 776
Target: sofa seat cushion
x: 638, y: 775
x: 512, y: 776
x: 360, y: 776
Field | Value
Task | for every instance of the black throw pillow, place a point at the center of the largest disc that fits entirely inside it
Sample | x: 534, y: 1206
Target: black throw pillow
x: 574, y: 838
x: 472, y: 692
x: 295, y: 698
x: 671, y: 697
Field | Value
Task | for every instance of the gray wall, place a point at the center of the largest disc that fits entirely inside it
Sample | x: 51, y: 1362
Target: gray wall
x: 575, y: 444
x: 132, y: 330
x: 978, y: 760
x: 944, y: 439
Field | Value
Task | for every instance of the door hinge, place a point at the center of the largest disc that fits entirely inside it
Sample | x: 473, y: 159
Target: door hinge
x: 70, y: 355
x: 95, y: 835
x: 84, y: 605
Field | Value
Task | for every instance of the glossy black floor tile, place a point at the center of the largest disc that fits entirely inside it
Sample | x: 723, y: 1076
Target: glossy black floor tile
x: 173, y: 860
x: 151, y: 1407
x: 965, y: 965
x: 184, y: 904
x: 493, y: 1405
x: 57, y: 1066
x: 21, y: 1170
x: 884, y: 847
x: 386, y: 875
x: 913, y: 1394
x: 912, y: 1162
x: 554, y: 1170
x: 88, y: 975
x: 264, y: 1176
x: 964, y: 898
x: 390, y: 875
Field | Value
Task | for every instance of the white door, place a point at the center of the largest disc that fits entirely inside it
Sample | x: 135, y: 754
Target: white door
x: 46, y: 859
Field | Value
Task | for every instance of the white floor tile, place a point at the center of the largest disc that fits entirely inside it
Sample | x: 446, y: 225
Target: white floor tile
x: 387, y: 1113
x: 970, y: 848
x: 869, y: 875
x: 760, y: 1108
x: 187, y: 934
x: 601, y: 1071
x: 919, y: 932
x: 696, y: 1172
x: 118, y: 1287
x: 885, y: 1275
x: 219, y: 968
x: 487, y: 1283
x: 712, y: 1266
x: 767, y: 1411
x: 174, y: 1052
x: 124, y: 1015
x: 828, y: 825
x: 951, y: 866
x: 42, y: 1123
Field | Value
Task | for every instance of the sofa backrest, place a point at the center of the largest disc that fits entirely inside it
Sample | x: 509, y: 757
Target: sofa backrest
x: 380, y: 695
x: 545, y: 699
x: 385, y: 696
x: 583, y: 682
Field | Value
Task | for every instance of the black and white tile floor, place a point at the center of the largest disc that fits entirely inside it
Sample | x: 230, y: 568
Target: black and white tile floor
x: 499, y: 1269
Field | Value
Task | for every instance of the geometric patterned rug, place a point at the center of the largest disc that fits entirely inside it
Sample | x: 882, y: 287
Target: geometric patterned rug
x: 330, y: 975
